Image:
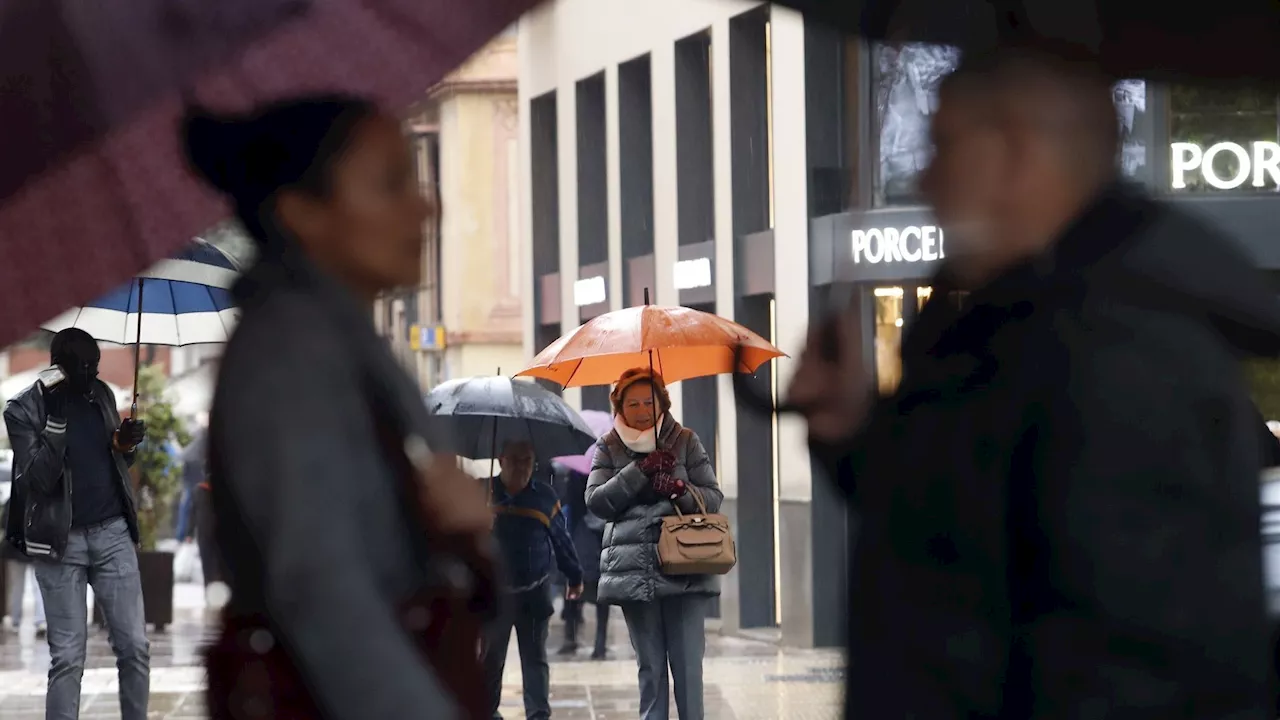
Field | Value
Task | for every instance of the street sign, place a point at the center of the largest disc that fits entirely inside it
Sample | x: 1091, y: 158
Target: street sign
x: 426, y: 337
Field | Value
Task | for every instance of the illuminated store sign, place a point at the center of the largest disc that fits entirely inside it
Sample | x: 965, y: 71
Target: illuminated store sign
x: 690, y: 274
x: 589, y: 291
x: 914, y: 243
x: 1259, y: 165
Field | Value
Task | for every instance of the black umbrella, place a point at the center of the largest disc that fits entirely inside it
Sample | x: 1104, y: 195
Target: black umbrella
x: 475, y: 417
x: 1223, y: 40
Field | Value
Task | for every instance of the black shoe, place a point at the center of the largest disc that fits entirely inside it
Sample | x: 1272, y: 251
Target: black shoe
x: 600, y: 654
x: 568, y: 649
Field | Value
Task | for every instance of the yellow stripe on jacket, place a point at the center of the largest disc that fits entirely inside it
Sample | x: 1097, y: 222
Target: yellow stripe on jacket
x: 527, y: 512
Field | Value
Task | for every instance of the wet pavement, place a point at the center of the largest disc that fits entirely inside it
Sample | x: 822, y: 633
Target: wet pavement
x: 745, y: 679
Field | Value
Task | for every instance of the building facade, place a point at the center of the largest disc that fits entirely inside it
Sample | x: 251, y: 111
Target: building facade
x: 734, y: 157
x: 465, y: 317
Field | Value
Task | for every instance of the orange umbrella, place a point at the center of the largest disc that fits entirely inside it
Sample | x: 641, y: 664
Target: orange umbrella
x: 679, y: 342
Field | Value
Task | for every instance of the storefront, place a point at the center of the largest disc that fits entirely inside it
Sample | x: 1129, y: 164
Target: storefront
x: 654, y: 164
x: 872, y: 245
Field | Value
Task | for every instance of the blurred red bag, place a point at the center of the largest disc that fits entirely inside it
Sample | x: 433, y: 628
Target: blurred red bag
x: 251, y: 675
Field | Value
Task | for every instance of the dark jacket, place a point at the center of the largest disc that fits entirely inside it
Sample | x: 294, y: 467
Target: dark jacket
x: 1059, y: 507
x: 7, y: 550
x: 586, y: 529
x: 620, y: 494
x: 41, y: 516
x: 532, y: 534
x: 301, y: 452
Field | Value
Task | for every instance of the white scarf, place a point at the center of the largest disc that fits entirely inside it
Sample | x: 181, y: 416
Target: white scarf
x: 638, y: 441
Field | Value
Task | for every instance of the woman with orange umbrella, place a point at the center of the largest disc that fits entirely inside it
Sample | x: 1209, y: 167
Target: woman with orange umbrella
x: 648, y: 468
x: 644, y: 469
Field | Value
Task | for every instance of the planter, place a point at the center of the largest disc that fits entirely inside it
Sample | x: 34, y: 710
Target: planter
x: 156, y: 570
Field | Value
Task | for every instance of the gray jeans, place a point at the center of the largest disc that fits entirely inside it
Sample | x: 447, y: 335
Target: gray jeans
x: 102, y: 556
x: 669, y: 634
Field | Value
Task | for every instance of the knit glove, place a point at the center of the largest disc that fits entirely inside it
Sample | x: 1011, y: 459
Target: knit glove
x: 656, y: 462
x: 667, y: 485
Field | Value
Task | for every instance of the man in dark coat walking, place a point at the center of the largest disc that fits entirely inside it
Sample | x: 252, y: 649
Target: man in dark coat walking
x: 587, y: 532
x: 1059, y: 506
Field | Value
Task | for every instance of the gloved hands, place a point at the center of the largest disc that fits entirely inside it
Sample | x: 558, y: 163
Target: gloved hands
x: 656, y: 462
x: 131, y: 434
x: 668, y: 485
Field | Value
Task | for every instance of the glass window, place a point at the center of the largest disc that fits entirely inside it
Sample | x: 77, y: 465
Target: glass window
x: 923, y: 293
x: 1223, y: 139
x: 906, y: 80
x: 888, y: 337
x: 906, y: 90
x: 1130, y: 97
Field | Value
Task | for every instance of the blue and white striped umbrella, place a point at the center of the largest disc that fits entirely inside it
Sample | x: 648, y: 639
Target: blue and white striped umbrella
x: 184, y: 301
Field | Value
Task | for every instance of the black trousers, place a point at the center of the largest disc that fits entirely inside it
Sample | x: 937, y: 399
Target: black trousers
x: 528, y: 613
x: 573, y: 621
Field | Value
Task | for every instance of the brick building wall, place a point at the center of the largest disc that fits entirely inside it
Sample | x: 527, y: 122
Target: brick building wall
x: 116, y: 366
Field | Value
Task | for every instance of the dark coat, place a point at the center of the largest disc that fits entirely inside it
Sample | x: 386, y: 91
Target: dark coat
x: 1059, y: 507
x: 532, y: 535
x: 620, y: 494
x: 315, y: 526
x: 585, y: 527
x: 41, y: 516
x: 8, y: 551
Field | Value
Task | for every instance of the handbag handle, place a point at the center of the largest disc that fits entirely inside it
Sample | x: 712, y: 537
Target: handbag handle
x: 697, y: 498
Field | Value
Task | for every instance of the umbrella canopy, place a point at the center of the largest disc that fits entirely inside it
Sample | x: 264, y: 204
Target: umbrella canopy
x: 1229, y: 39
x: 600, y: 423
x: 679, y: 342
x: 178, y: 308
x: 475, y: 417
x: 202, y: 263
x: 94, y: 186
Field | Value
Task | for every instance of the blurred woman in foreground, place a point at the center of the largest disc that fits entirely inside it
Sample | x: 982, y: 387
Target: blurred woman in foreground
x: 329, y: 515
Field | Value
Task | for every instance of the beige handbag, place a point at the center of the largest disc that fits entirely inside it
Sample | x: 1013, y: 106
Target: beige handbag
x: 696, y: 544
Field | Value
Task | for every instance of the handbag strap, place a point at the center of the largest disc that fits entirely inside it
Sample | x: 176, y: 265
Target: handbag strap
x: 697, y: 499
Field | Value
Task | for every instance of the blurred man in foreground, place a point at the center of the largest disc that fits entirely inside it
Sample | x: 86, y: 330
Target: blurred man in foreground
x: 1058, y: 508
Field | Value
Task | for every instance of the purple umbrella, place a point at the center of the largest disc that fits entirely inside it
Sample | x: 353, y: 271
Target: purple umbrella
x: 94, y: 185
x: 600, y: 423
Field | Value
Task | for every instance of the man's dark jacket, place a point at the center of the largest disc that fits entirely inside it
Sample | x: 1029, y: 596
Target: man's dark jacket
x: 41, y: 515
x: 532, y: 534
x: 1059, y: 508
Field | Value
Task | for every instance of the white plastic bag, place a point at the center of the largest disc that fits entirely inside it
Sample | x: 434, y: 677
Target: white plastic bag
x: 186, y: 564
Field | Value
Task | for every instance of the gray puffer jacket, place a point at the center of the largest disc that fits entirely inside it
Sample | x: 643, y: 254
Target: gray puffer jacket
x: 620, y: 494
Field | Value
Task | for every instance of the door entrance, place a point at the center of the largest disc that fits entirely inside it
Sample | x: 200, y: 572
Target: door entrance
x: 895, y: 308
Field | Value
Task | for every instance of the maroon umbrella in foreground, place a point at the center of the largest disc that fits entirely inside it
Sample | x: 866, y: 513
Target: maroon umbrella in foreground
x: 93, y: 182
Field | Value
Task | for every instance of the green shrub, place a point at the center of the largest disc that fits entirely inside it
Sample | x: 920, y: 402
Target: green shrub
x: 155, y: 470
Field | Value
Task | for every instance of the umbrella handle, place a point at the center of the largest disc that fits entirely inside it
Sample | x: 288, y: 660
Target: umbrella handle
x: 843, y: 297
x: 749, y: 397
x: 137, y: 355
